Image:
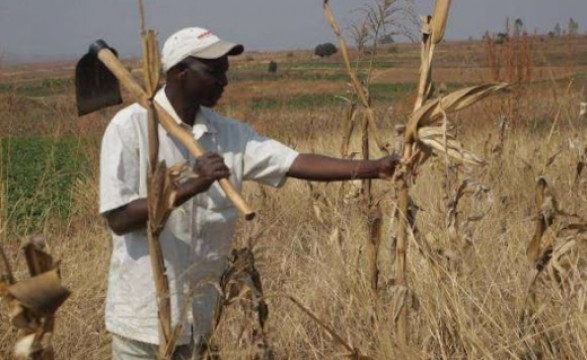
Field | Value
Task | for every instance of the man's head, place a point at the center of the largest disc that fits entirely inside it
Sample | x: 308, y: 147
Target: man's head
x: 196, y: 62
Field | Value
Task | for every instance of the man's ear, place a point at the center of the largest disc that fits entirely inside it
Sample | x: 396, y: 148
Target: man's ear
x: 178, y: 72
x: 181, y: 73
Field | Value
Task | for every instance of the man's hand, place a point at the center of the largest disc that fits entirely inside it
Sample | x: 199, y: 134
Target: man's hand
x: 133, y: 216
x: 210, y: 167
x: 387, y: 166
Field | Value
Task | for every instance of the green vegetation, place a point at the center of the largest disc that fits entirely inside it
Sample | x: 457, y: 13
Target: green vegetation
x: 45, y: 87
x: 39, y: 174
x: 379, y: 92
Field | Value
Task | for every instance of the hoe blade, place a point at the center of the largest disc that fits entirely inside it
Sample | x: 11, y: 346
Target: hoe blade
x: 95, y: 85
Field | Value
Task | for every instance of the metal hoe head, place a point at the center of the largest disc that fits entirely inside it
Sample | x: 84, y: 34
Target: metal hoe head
x: 95, y: 85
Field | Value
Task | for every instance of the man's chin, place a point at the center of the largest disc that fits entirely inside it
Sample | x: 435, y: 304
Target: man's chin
x: 210, y: 103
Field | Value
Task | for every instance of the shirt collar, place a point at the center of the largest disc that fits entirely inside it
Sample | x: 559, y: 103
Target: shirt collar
x: 202, y: 124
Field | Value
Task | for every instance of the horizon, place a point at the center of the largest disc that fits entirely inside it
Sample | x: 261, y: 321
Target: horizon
x: 70, y: 28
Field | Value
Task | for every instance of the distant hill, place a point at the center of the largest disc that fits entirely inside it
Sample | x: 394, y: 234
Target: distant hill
x: 15, y: 58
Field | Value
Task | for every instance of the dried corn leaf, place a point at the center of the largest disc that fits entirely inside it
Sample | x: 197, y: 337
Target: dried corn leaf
x: 576, y: 229
x: 319, y: 202
x: 26, y: 346
x: 163, y: 186
x: 583, y: 109
x: 241, y: 280
x: 42, y: 294
x: 32, y: 304
x: 6, y: 276
x: 434, y: 137
x: 546, y: 211
x: 38, y: 261
x: 453, y: 102
x: 578, y: 158
x: 354, y: 191
x: 399, y: 300
x: 452, y: 209
x: 439, y: 20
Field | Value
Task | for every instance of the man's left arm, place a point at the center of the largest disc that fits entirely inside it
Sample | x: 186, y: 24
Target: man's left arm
x: 323, y: 168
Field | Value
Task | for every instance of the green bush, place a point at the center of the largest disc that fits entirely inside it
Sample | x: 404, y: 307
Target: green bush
x: 272, y: 68
x: 325, y: 50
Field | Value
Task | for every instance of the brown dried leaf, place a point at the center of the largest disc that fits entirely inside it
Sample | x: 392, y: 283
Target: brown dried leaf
x: 546, y: 211
x: 578, y: 158
x: 441, y: 143
x: 453, y: 102
x: 439, y: 20
x: 38, y: 261
x: 42, y: 294
x: 25, y: 347
x: 163, y: 186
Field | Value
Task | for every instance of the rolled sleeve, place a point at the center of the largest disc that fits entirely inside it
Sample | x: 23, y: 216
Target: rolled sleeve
x: 119, y: 166
x: 266, y: 161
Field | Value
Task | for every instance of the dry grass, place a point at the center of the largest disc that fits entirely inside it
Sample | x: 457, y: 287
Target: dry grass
x: 469, y: 294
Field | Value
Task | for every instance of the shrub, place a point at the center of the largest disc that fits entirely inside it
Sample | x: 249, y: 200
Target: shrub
x: 272, y: 67
x: 325, y: 50
x: 392, y: 49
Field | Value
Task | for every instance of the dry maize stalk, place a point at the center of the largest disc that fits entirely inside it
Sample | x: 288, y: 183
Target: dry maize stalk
x: 161, y: 190
x: 418, y: 136
x: 369, y: 128
x: 360, y: 90
x: 242, y: 281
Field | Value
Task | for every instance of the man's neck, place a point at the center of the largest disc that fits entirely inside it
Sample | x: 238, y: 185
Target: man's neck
x: 185, y: 109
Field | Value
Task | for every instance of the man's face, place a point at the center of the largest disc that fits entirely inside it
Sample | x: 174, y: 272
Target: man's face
x: 204, y: 80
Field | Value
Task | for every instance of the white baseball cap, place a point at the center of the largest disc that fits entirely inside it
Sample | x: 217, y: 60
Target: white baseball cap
x: 196, y: 42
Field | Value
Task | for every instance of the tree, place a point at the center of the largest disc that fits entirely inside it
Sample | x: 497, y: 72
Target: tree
x: 272, y: 67
x: 501, y: 38
x: 518, y: 27
x: 387, y: 39
x: 573, y: 27
x: 325, y: 50
x: 383, y: 20
x: 558, y: 30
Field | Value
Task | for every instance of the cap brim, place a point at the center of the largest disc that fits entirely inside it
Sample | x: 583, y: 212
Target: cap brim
x: 218, y: 50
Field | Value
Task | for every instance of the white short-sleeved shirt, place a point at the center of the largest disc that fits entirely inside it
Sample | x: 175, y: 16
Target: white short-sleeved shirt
x: 198, y: 236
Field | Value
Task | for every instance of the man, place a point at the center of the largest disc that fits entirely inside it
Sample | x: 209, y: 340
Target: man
x: 197, y: 238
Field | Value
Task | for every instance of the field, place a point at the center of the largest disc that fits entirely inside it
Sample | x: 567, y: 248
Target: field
x: 468, y: 293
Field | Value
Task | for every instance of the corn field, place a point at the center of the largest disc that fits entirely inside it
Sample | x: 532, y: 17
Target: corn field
x: 475, y: 250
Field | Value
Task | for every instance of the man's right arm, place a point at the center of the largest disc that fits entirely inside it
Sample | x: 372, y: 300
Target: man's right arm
x: 133, y: 216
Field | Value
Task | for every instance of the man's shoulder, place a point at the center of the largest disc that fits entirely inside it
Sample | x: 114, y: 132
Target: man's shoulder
x: 126, y: 124
x: 133, y: 112
x: 225, y: 123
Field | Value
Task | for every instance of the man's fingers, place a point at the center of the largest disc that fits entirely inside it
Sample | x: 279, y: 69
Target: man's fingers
x: 212, y: 166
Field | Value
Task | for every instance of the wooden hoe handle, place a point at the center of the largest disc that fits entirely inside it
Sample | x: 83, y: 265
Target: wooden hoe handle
x: 170, y: 125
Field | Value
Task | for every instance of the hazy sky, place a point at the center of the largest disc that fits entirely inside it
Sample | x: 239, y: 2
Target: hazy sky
x: 64, y: 28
